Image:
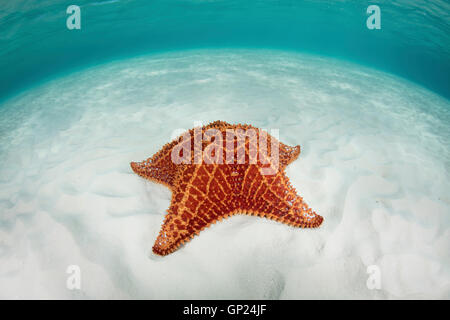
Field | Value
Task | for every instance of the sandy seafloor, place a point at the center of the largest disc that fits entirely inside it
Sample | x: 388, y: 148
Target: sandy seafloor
x: 375, y: 164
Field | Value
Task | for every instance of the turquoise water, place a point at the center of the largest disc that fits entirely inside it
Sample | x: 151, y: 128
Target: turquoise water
x: 413, y: 42
x: 369, y: 108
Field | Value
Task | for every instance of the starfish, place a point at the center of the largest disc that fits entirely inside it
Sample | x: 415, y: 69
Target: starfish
x: 206, y: 190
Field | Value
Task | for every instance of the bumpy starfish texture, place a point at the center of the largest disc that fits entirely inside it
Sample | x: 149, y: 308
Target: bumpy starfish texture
x: 205, y: 193
x: 161, y: 169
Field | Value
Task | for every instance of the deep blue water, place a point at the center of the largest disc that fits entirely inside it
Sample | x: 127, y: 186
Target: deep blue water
x: 413, y: 42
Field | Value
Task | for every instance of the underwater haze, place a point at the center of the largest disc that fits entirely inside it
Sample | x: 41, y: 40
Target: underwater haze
x: 369, y: 108
x: 413, y: 42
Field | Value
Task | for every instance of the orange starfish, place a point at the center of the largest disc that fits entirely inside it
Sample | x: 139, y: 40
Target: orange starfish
x: 207, y: 188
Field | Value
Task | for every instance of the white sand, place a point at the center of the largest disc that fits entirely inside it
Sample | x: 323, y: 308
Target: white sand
x: 375, y: 164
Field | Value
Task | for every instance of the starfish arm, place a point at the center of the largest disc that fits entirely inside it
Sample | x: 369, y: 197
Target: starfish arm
x: 201, y: 198
x: 288, y: 154
x: 273, y: 197
x: 158, y: 168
